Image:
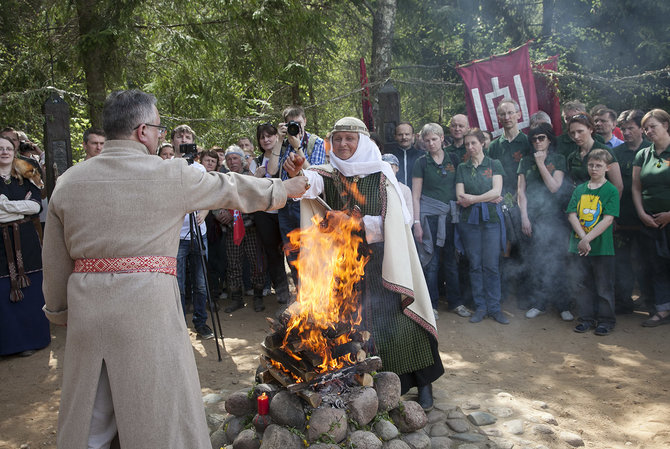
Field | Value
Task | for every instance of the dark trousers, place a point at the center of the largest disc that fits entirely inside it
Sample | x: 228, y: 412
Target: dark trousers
x: 289, y: 219
x: 594, y: 289
x: 443, y: 263
x: 660, y: 270
x: 270, y: 237
x: 632, y: 264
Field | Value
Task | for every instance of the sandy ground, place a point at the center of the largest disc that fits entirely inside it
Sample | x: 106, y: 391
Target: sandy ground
x: 613, y: 391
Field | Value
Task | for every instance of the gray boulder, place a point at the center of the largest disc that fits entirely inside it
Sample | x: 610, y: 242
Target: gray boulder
x: 417, y: 440
x: 362, y: 439
x: 409, y: 417
x: 385, y: 430
x: 458, y: 425
x: 482, y: 418
x: 239, y: 404
x: 327, y: 424
x: 395, y: 444
x: 286, y: 409
x: 439, y: 429
x: 278, y: 437
x: 219, y: 439
x: 362, y: 405
x: 387, y: 385
x: 441, y: 443
x: 233, y: 426
x: 247, y: 439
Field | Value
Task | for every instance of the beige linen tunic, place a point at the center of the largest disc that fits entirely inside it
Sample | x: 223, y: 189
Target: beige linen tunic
x: 126, y: 203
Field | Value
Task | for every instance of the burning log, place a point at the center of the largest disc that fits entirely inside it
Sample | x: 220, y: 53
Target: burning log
x: 366, y: 366
x: 312, y: 397
x: 300, y: 368
x: 348, y: 348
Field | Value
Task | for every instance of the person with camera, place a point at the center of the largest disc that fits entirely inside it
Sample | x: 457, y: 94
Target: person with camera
x: 183, y: 141
x: 110, y: 277
x: 293, y: 139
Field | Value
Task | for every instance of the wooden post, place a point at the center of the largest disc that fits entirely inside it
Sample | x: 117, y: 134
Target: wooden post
x: 389, y: 111
x: 57, y: 143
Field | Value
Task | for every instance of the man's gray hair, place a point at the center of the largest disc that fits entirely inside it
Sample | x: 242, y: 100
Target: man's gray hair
x: 124, y: 110
x: 511, y: 101
x: 432, y: 128
x: 539, y: 117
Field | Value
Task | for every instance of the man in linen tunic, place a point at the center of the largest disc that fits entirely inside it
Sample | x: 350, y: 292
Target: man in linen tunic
x: 129, y: 326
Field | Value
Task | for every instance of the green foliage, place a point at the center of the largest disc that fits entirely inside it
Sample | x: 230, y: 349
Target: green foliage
x: 224, y: 66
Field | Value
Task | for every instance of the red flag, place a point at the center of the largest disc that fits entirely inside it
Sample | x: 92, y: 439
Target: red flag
x: 489, y: 81
x: 546, y: 85
x: 365, y: 93
x: 238, y: 227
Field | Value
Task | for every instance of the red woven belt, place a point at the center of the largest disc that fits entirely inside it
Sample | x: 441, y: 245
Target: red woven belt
x: 158, y: 264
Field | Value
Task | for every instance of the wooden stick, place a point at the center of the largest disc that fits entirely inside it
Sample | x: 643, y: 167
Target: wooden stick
x: 366, y: 366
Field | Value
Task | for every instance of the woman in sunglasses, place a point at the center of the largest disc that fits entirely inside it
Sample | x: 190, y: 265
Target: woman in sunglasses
x: 434, y: 202
x: 540, y: 177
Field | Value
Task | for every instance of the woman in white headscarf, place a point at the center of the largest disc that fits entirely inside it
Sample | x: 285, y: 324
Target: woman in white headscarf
x: 396, y: 304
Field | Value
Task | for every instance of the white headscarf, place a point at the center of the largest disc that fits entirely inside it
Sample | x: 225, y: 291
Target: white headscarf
x: 367, y: 160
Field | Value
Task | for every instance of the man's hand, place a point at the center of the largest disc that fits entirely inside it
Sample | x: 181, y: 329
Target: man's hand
x: 224, y: 216
x: 293, y: 164
x: 296, y: 187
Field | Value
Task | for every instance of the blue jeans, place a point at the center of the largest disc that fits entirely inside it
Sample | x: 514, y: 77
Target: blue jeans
x: 186, y: 255
x: 482, y: 246
x: 446, y: 258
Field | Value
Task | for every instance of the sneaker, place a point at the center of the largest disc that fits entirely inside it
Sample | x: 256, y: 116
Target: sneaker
x: 204, y: 332
x: 249, y: 292
x: 583, y: 327
x: 266, y: 291
x: 223, y: 295
x: 603, y: 330
x: 436, y: 314
x: 462, y: 311
x: 532, y: 313
x: 478, y: 316
x: 567, y: 316
x: 500, y: 317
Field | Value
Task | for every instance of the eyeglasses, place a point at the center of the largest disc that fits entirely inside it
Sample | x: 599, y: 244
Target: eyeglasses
x: 161, y: 129
x: 538, y: 138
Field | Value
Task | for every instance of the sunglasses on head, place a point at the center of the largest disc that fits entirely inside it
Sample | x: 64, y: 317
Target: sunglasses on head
x: 538, y: 138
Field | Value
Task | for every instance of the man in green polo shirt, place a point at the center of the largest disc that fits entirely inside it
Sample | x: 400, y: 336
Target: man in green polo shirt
x: 458, y: 126
x: 511, y: 146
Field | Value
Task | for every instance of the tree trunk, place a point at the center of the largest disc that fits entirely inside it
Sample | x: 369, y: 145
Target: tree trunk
x: 547, y: 16
x: 383, y: 23
x: 93, y: 55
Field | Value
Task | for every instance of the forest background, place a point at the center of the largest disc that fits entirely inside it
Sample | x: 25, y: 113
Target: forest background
x: 225, y: 66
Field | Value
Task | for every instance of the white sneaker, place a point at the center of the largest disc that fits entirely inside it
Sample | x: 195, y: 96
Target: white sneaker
x: 462, y: 311
x: 223, y: 295
x: 532, y: 313
x: 435, y: 313
x: 567, y: 316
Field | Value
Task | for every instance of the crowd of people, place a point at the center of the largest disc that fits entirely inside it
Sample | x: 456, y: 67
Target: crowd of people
x: 490, y: 217
x: 575, y: 223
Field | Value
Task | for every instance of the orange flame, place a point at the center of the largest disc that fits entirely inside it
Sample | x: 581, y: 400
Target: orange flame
x: 330, y: 267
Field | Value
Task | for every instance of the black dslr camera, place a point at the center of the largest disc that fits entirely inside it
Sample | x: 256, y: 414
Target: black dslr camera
x: 293, y: 128
x: 188, y: 151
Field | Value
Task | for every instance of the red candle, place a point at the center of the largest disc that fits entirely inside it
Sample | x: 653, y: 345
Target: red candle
x: 263, y: 404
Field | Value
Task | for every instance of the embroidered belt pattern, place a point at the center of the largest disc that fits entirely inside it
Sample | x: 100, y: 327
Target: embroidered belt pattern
x: 140, y: 264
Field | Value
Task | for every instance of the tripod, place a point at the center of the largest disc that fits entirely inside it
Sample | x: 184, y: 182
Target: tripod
x: 196, y: 247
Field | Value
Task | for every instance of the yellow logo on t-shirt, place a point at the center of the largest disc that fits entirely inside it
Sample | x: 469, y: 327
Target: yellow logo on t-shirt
x: 589, y: 209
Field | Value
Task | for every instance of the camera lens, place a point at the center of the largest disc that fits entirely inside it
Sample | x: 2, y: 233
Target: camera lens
x: 293, y: 128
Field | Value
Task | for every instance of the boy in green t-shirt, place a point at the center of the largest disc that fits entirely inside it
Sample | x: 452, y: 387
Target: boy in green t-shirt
x: 591, y: 213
